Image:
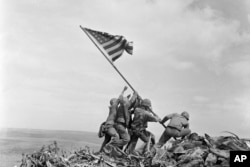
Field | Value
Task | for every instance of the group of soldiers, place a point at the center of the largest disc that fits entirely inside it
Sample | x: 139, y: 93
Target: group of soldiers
x: 128, y: 121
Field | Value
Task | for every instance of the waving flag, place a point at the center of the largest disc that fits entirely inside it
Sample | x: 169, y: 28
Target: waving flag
x: 114, y: 45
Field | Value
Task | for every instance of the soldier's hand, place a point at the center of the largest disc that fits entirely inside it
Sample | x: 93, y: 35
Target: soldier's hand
x: 125, y: 88
x: 159, y: 120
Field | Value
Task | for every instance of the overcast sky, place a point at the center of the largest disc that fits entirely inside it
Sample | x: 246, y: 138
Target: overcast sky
x: 191, y: 55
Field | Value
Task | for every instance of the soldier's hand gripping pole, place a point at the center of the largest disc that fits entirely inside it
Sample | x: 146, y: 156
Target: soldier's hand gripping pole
x: 158, y: 117
x: 152, y: 111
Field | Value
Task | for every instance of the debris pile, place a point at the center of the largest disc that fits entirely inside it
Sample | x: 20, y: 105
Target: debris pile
x: 192, y: 151
x: 197, y: 150
x: 52, y: 156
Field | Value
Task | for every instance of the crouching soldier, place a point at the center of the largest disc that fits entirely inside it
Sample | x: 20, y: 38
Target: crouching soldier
x: 122, y: 120
x: 178, y: 127
x: 108, y: 127
x: 142, y: 116
x: 121, y: 123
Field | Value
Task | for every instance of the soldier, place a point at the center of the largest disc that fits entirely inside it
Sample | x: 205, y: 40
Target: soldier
x: 138, y: 130
x: 108, y: 127
x: 135, y: 102
x: 122, y: 121
x: 178, y: 127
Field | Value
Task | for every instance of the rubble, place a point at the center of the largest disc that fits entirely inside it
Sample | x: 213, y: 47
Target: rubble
x: 192, y: 151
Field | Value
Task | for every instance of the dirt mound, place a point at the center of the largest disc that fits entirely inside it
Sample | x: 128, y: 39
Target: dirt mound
x: 192, y: 151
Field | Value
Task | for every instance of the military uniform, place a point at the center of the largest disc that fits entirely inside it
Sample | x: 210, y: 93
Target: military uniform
x: 138, y: 128
x: 177, y: 127
x: 108, y: 126
x: 121, y: 123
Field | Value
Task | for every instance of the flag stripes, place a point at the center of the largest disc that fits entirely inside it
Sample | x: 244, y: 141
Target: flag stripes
x: 114, y: 45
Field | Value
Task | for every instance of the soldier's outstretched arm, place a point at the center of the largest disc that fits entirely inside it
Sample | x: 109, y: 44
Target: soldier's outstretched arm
x: 124, y: 89
x: 167, y: 117
x: 122, y: 94
x: 152, y: 118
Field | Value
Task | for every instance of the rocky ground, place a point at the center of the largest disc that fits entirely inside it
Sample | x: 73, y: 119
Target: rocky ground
x: 192, y: 151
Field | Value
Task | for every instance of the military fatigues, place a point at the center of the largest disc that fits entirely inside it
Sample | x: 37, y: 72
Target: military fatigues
x: 138, y: 128
x: 177, y: 127
x: 121, y: 123
x: 109, y: 128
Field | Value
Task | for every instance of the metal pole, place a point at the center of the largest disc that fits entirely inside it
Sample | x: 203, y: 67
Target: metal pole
x: 104, y: 54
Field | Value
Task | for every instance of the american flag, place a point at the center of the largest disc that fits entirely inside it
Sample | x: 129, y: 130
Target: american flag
x: 114, y: 45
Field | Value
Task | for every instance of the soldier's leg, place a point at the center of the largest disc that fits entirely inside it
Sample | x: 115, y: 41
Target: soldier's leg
x: 166, y: 135
x: 184, y: 132
x: 147, y: 134
x: 111, y: 131
x: 107, y: 139
x: 110, y: 134
x: 147, y: 145
x: 132, y: 144
x: 123, y: 134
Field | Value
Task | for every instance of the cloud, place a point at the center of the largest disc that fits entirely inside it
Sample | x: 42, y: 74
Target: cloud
x: 174, y: 63
x: 201, y: 99
x: 244, y: 110
x: 240, y: 70
x: 228, y: 10
x: 191, y: 34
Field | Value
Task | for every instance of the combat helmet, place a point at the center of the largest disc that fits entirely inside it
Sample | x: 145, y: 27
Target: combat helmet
x: 146, y: 102
x: 112, y: 101
x: 185, y: 114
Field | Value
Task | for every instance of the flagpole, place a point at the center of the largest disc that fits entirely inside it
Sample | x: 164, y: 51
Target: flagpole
x: 104, y: 54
